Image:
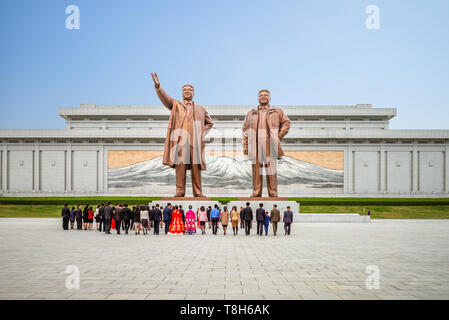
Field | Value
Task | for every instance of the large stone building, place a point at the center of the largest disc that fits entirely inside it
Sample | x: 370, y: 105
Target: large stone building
x: 330, y: 151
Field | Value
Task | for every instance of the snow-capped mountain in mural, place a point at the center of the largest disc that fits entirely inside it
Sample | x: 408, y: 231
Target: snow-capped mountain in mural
x: 225, y: 172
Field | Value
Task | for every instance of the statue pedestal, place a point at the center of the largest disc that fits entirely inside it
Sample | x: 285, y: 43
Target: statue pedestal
x: 196, y: 203
x: 268, y: 203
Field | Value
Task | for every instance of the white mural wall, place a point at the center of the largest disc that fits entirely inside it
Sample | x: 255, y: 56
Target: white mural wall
x: 225, y: 174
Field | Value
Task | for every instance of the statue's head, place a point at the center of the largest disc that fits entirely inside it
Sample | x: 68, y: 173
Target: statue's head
x: 264, y: 97
x: 188, y: 92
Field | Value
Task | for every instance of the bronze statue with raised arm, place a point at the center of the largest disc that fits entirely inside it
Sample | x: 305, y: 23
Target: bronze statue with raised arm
x: 184, y: 144
x: 263, y: 130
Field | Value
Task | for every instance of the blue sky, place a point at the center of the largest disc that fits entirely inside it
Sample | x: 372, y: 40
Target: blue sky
x: 309, y: 52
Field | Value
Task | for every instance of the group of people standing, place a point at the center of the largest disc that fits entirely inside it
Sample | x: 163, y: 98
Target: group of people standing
x: 82, y: 217
x: 174, y: 219
x: 264, y: 219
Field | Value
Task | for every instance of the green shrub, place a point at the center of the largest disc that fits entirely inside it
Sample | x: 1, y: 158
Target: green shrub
x: 75, y: 200
x: 371, y: 201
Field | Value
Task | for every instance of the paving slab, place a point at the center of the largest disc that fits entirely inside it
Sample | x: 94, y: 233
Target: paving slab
x: 408, y: 259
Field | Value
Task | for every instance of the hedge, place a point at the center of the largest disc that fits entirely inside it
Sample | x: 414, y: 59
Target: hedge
x: 223, y: 200
x: 75, y: 200
x: 372, y: 201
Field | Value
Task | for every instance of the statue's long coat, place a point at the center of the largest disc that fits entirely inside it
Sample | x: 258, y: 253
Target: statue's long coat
x: 200, y: 124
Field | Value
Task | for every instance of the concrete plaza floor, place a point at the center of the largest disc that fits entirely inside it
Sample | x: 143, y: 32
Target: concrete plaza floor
x: 318, y: 261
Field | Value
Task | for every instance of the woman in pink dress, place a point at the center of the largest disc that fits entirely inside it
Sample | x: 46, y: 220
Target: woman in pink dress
x: 190, y: 221
x: 202, y: 218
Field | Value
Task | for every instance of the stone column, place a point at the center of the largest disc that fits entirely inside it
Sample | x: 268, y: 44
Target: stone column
x: 446, y: 169
x: 101, y: 172
x: 383, y: 169
x: 68, y: 169
x: 415, y: 168
x: 347, y: 169
x: 351, y: 170
x: 104, y: 160
x: 4, y: 181
x: 37, y: 168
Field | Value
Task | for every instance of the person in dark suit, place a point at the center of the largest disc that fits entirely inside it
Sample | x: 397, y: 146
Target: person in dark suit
x: 65, y: 213
x: 118, y: 217
x: 275, y: 216
x: 248, y: 216
x: 122, y: 206
x: 242, y: 220
x: 151, y: 216
x: 136, y: 220
x: 162, y: 210
x: 72, y: 217
x: 157, y: 217
x: 133, y: 211
x: 101, y: 218
x: 126, y: 213
x: 86, y: 216
x: 183, y: 215
x: 122, y: 221
x: 108, y: 212
x: 167, y: 216
x: 209, y: 221
x: 288, y: 219
x: 260, y: 218
x: 79, y: 218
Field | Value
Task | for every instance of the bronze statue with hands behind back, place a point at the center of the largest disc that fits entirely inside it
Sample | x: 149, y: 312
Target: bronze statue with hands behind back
x: 263, y: 129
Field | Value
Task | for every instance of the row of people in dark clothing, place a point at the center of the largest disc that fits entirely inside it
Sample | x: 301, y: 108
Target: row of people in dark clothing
x: 109, y: 217
x: 263, y: 219
x: 82, y: 217
x: 143, y: 218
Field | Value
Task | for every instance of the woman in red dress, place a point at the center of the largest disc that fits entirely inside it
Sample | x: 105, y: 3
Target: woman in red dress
x: 176, y: 225
x: 112, y: 223
x: 90, y: 218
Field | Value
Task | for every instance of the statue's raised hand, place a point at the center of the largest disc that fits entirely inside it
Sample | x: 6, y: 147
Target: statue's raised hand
x: 155, y: 80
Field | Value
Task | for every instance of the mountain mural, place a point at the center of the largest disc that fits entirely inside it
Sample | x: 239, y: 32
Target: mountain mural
x: 227, y: 173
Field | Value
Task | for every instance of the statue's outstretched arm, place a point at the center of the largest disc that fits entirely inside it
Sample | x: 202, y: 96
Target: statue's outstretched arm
x: 163, y: 96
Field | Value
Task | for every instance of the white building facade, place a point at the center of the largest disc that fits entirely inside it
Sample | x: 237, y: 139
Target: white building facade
x: 337, y: 151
